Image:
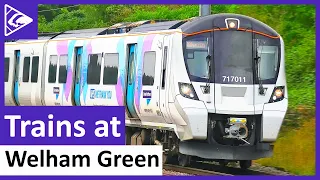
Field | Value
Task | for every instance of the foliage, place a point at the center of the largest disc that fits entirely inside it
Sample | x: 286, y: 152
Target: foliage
x: 299, y: 145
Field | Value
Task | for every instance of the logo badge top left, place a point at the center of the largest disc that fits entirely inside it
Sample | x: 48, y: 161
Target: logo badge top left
x: 14, y: 20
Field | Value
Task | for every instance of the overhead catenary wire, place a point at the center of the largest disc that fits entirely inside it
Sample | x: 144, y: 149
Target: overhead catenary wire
x: 58, y: 8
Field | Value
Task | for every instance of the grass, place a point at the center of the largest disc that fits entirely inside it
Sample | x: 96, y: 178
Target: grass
x: 294, y: 151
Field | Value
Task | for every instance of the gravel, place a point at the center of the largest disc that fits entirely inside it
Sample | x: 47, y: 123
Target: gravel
x: 173, y: 173
x: 271, y: 170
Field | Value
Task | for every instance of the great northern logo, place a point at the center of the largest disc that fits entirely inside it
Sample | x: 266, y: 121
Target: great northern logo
x: 147, y: 94
x: 100, y: 94
x: 56, y: 91
x: 14, y: 20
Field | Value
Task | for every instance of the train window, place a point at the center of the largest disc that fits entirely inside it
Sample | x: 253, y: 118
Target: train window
x: 53, y: 69
x: 163, y: 84
x: 149, y: 62
x: 110, y: 72
x: 196, y: 50
x: 35, y: 69
x: 269, y: 61
x: 131, y: 61
x: 269, y: 51
x: 94, y: 69
x: 6, y: 69
x: 233, y: 57
x: 78, y: 71
x: 26, y: 69
x: 63, y: 61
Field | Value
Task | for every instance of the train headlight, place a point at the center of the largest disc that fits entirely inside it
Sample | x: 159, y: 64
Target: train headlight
x: 232, y: 25
x: 187, y: 90
x: 277, y: 94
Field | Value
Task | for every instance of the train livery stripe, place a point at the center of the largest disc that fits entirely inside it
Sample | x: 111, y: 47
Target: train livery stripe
x: 77, y: 81
x: 16, y: 81
x: 66, y: 48
x: 62, y: 49
x: 67, y: 86
x: 147, y: 43
x: 132, y: 79
x: 138, y: 77
x: 121, y: 77
x: 16, y: 92
x: 87, y: 49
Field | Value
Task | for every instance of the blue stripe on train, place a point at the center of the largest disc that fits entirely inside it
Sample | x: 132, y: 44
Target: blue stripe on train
x: 130, y: 87
x: 16, y: 79
x: 77, y: 85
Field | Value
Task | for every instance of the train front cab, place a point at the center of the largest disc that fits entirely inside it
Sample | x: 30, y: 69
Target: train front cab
x: 247, y: 100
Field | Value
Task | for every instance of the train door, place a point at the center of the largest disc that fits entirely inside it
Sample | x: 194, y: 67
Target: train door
x: 24, y: 84
x: 9, y: 79
x: 16, y: 77
x: 132, y: 59
x: 163, y: 103
x: 77, y: 75
x: 151, y: 81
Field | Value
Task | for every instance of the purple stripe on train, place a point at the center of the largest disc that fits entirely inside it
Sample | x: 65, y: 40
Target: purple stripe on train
x: 68, y: 84
x: 66, y: 48
x: 62, y: 47
x: 147, y: 44
x: 121, y: 76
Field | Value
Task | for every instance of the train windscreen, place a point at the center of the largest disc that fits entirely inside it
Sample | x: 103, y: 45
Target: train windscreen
x: 232, y: 51
x: 232, y: 55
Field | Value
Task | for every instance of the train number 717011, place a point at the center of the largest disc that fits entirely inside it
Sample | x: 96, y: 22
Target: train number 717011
x: 234, y: 79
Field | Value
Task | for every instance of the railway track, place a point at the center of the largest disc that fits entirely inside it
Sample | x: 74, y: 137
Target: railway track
x: 204, y: 169
x: 193, y: 171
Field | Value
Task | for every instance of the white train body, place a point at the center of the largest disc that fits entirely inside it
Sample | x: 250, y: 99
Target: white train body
x: 161, y: 75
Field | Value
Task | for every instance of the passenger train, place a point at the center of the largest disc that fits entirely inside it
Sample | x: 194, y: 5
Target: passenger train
x: 210, y: 87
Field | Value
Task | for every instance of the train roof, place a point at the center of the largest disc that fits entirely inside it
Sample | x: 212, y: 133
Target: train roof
x: 190, y: 25
x: 219, y: 21
x: 157, y: 26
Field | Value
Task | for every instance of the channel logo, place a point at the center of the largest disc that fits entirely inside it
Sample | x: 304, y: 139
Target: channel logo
x: 14, y: 20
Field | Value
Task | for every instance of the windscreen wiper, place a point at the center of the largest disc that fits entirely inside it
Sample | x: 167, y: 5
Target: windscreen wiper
x: 207, y: 89
x: 257, y: 63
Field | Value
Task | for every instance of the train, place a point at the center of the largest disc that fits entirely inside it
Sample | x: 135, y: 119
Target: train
x: 210, y: 87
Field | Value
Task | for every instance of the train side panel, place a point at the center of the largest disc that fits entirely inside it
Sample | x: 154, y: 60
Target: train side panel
x: 191, y: 117
x: 60, y: 72
x: 29, y: 77
x: 149, y: 80
x: 24, y: 72
x: 24, y: 90
x: 101, y: 63
x: 274, y: 113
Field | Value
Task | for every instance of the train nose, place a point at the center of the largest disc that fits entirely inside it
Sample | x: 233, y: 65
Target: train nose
x: 234, y: 99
